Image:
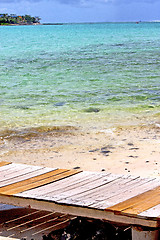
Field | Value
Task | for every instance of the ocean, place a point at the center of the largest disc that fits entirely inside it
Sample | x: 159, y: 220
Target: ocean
x: 100, y: 75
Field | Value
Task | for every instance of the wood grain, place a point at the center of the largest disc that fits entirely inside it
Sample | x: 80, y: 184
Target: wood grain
x: 24, y: 174
x: 138, y: 203
x: 16, y: 172
x: 31, y: 180
x: 63, y: 184
x: 152, y: 212
x: 126, y: 192
x: 38, y: 181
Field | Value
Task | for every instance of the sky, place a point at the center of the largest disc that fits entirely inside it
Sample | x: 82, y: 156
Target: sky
x: 75, y: 11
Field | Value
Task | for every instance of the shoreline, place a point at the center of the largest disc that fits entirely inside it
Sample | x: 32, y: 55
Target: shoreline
x: 130, y: 150
x: 27, y: 24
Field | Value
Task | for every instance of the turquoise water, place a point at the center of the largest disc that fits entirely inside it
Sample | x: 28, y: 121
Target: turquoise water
x: 78, y: 74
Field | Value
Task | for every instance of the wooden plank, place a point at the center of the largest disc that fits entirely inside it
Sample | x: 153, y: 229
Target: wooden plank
x: 4, y: 163
x: 82, y: 185
x: 145, y: 204
x: 108, y: 189
x: 9, y: 167
x: 134, y: 205
x: 66, y: 183
x: 81, y: 188
x: 130, y: 192
x: 14, y: 170
x: 38, y: 178
x: 153, y: 212
x: 69, y: 184
x: 113, y: 189
x: 23, y: 176
x: 15, y: 167
x: 98, y: 194
x: 30, y: 184
x: 125, y: 193
x: 17, y: 172
x: 67, y: 197
x: 86, y: 188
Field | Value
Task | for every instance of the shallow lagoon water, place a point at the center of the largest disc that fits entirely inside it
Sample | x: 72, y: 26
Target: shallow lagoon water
x: 100, y: 75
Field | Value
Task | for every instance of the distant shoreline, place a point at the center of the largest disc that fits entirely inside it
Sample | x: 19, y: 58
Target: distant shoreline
x: 27, y: 24
x: 61, y: 24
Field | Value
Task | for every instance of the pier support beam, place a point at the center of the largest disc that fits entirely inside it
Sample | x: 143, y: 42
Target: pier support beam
x: 139, y: 233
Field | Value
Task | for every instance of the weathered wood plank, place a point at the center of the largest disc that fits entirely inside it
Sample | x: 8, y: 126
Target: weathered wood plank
x: 134, y: 205
x: 82, y: 188
x: 86, y: 188
x: 9, y: 167
x: 38, y: 178
x: 153, y: 212
x: 61, y: 184
x: 94, y: 196
x: 24, y: 175
x: 30, y: 184
x: 83, y: 185
x: 4, y: 163
x: 13, y: 170
x: 108, y: 189
x: 124, y: 194
x: 69, y: 184
x: 17, y: 172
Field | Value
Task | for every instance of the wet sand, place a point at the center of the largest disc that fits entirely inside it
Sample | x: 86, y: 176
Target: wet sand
x: 132, y: 150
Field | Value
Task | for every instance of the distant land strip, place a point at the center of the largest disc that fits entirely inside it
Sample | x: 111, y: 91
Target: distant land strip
x: 13, y: 19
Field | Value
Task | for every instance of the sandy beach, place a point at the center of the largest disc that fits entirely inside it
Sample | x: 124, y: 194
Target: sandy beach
x: 132, y: 150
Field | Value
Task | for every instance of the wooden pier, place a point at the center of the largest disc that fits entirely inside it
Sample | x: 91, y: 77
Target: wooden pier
x: 123, y: 199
